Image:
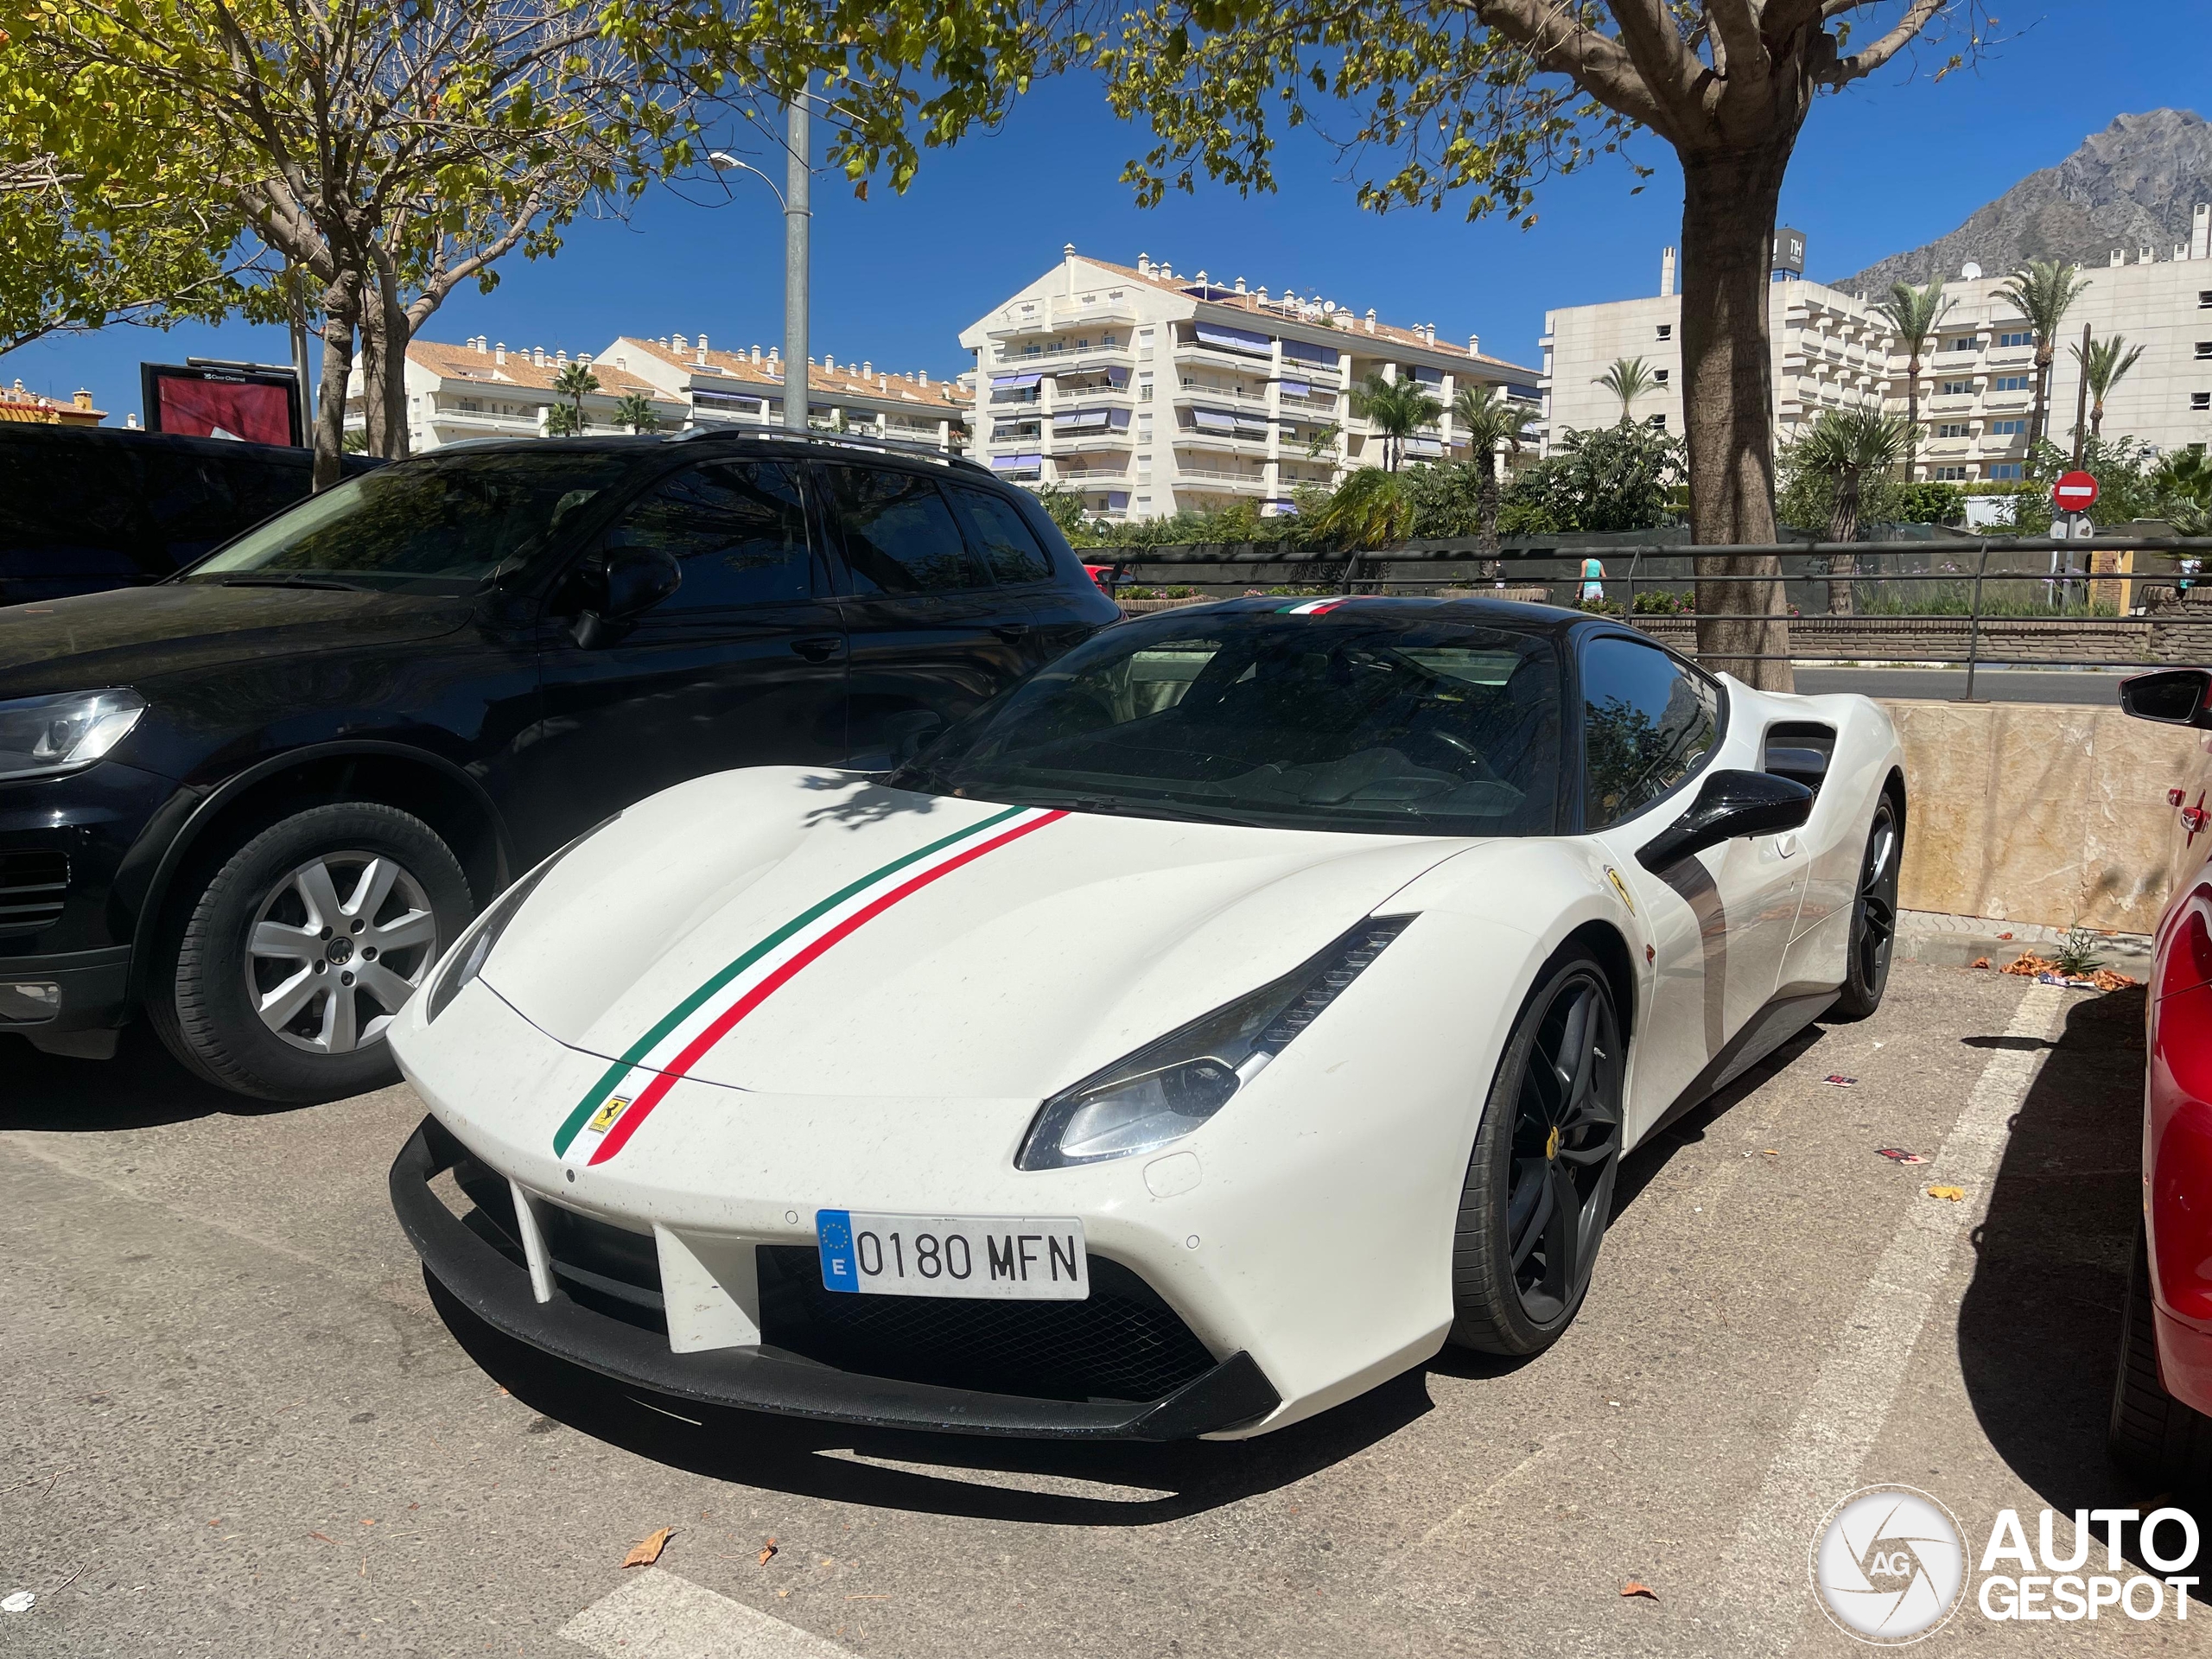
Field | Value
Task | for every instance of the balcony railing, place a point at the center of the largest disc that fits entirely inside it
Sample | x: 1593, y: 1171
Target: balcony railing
x: 1213, y: 478
x: 1087, y: 474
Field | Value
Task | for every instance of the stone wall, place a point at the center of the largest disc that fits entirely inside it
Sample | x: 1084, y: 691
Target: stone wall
x: 2050, y: 813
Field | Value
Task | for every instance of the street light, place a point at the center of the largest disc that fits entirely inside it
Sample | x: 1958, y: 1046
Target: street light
x: 797, y: 217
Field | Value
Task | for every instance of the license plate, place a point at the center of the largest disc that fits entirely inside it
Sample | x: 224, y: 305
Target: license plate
x: 1009, y: 1258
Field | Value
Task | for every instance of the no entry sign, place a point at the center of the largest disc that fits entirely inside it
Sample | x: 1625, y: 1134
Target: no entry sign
x: 2075, y: 493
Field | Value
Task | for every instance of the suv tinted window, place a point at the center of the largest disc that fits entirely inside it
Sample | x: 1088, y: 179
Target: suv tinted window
x: 1006, y: 544
x: 1646, y: 722
x: 899, y: 536
x: 737, y: 528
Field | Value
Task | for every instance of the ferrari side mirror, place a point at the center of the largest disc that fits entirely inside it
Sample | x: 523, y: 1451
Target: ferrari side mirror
x: 2172, y: 696
x: 1728, y: 805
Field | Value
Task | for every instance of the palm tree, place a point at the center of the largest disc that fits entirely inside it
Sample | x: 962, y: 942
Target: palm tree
x: 1490, y: 418
x: 2044, y: 291
x: 1627, y: 380
x: 635, y: 411
x: 1914, y: 315
x: 1371, y: 508
x: 2104, y: 365
x: 563, y: 422
x: 1396, y: 409
x: 1845, y: 445
x: 575, y: 382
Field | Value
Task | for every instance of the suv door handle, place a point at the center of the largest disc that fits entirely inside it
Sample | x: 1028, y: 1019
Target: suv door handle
x: 1010, y: 631
x: 818, y: 647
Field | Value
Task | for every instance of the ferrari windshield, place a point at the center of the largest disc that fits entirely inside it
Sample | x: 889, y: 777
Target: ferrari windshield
x: 1370, y: 717
x: 441, y: 522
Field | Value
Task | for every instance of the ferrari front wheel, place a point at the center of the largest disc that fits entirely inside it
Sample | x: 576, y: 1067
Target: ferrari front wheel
x: 1873, y: 916
x: 1539, y: 1189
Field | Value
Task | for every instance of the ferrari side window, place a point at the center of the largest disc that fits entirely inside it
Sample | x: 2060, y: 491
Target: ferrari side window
x: 1646, y: 722
x: 736, y: 529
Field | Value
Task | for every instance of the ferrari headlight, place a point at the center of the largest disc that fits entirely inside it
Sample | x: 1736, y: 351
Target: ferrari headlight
x: 466, y: 959
x: 41, y: 736
x: 1166, y: 1089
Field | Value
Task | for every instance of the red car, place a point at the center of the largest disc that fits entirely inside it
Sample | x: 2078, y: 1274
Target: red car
x: 2162, y: 1403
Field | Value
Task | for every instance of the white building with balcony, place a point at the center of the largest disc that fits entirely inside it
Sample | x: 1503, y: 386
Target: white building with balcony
x: 1977, y: 375
x: 1151, y: 391
x: 479, y: 389
x: 745, y: 388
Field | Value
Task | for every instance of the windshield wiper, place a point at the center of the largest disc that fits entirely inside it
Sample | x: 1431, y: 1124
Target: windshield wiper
x: 1113, y: 805
x: 326, y: 582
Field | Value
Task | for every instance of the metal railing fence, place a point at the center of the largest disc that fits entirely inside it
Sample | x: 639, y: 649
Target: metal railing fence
x: 2136, y: 613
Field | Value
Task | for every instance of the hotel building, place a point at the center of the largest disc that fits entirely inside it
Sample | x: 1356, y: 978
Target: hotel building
x: 1151, y: 391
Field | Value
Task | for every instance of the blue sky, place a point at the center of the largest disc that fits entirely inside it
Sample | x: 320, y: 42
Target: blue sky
x: 1887, y: 165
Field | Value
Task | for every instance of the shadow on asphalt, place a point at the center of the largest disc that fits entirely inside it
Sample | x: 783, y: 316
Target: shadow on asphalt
x: 1053, y: 1482
x: 143, y: 1086
x: 2039, y: 1327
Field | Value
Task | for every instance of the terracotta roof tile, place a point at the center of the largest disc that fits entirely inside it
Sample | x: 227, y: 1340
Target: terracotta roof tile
x: 843, y: 381
x: 467, y: 362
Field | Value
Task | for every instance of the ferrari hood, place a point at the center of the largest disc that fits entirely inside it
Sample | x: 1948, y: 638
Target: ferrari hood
x: 796, y: 933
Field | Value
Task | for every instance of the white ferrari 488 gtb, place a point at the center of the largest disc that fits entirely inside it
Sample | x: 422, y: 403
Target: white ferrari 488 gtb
x: 1255, y: 1000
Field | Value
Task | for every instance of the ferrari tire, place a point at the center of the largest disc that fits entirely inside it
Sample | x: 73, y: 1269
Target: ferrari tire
x: 1873, y: 915
x: 2150, y: 1434
x: 1539, y: 1188
x: 286, y: 959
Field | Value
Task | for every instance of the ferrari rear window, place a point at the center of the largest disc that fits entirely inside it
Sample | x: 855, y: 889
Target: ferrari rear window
x: 1360, y: 720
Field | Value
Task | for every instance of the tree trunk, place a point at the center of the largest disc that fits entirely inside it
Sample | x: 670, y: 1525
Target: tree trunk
x: 1843, y: 526
x: 2037, y: 420
x: 1486, y: 510
x: 383, y: 370
x: 2097, y: 421
x: 1729, y: 203
x: 340, y: 310
x: 1912, y: 418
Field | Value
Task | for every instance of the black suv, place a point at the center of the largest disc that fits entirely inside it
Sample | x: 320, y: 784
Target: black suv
x: 256, y: 800
x: 83, y: 509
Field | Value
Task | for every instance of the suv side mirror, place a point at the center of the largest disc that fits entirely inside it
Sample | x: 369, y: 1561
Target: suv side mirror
x: 2172, y: 696
x: 911, y: 733
x: 618, y: 585
x: 1731, y: 804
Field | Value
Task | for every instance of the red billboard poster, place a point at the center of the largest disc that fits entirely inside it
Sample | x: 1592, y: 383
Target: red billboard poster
x: 220, y: 404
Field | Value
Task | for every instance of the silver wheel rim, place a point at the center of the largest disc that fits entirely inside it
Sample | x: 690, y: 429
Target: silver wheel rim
x: 336, y: 949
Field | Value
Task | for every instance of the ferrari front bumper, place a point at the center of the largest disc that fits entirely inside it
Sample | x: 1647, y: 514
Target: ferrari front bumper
x: 498, y: 1290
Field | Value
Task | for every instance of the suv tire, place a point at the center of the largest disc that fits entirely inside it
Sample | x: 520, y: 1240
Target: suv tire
x: 281, y: 970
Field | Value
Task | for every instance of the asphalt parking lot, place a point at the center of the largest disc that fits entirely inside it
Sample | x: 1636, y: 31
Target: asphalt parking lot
x: 238, y: 1424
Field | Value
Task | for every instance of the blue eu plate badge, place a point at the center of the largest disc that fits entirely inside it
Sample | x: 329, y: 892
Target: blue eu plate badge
x: 833, y: 1234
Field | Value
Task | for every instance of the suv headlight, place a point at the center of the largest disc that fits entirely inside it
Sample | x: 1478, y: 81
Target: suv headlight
x: 41, y: 736
x: 473, y: 948
x: 1168, y: 1088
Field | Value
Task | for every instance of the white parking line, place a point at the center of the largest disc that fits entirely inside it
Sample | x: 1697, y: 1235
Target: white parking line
x: 1764, y: 1583
x: 658, y: 1615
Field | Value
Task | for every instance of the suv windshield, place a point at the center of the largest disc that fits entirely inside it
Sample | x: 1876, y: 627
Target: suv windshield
x: 1406, y: 725
x: 438, y: 522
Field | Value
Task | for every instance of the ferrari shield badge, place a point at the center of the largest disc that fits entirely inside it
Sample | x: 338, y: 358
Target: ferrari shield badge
x: 603, y: 1119
x: 1621, y: 887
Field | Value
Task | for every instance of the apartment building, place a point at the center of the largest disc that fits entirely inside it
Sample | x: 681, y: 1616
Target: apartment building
x: 1152, y: 390
x: 1977, y: 377
x: 724, y: 389
x: 479, y: 389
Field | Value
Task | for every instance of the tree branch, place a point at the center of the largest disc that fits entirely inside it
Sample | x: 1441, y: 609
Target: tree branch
x: 1917, y: 16
x: 1597, y: 64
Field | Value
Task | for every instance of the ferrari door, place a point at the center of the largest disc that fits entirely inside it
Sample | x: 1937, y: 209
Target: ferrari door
x: 1717, y: 923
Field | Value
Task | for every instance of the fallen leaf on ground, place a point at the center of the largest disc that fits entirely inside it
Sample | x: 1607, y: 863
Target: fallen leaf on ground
x: 2003, y: 936
x: 1632, y: 1588
x: 1769, y: 1152
x: 767, y: 1552
x: 2027, y: 965
x: 325, y: 1537
x: 647, y: 1549
x: 1978, y: 962
x: 1950, y: 1194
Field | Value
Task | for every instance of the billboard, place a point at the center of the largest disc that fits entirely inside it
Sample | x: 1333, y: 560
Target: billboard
x: 1789, y: 251
x: 254, y: 405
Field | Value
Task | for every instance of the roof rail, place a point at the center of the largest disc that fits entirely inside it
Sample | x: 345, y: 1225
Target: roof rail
x: 785, y: 434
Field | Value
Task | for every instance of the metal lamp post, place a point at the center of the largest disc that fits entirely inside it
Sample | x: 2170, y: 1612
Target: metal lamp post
x: 798, y: 214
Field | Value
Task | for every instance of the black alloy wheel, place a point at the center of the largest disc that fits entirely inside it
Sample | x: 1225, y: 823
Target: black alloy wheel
x: 1539, y: 1191
x: 1873, y: 915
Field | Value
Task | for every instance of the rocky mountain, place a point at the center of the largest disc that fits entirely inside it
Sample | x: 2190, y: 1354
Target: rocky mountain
x: 2131, y: 186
